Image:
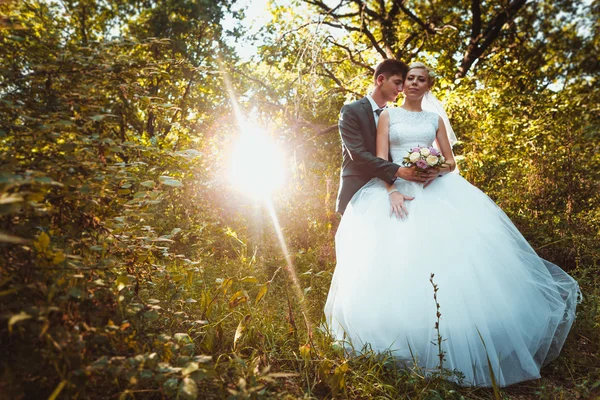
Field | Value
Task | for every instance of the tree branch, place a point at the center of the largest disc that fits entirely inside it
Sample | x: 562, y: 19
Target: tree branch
x: 374, y: 42
x: 329, y: 74
x: 351, y: 56
x: 362, y: 5
x: 411, y: 15
x: 483, y: 42
x: 476, y: 25
x: 330, y: 11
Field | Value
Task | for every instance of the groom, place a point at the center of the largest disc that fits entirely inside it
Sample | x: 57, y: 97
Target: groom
x: 358, y: 129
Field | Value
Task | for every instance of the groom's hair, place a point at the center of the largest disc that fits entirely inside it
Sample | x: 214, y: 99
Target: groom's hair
x: 389, y: 68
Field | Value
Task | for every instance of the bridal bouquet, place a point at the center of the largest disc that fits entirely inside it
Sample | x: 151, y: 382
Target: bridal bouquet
x: 424, y: 158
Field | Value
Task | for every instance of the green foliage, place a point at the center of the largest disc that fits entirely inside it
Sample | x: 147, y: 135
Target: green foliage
x: 130, y: 269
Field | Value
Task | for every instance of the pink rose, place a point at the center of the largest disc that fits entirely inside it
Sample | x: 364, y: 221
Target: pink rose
x: 415, y: 150
x: 434, y: 151
x: 422, y: 164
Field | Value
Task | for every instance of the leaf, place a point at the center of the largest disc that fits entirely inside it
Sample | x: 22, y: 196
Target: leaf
x: 170, y: 387
x: 238, y: 298
x: 6, y: 238
x: 189, y: 368
x: 189, y: 154
x: 75, y: 292
x: 249, y: 279
x: 122, y: 281
x: 240, y: 329
x: 11, y: 198
x: 100, y: 117
x: 22, y: 316
x: 338, y: 380
x: 305, y: 351
x: 188, y: 390
x: 42, y: 242
x: 226, y: 284
x: 202, y: 359
x: 261, y: 293
x: 182, y: 338
x: 151, y: 315
x: 149, y: 184
x: 172, y: 182
x: 495, y: 386
x: 9, y: 291
x: 57, y: 390
x: 58, y: 257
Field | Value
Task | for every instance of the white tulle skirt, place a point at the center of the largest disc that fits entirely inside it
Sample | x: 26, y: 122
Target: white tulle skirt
x: 493, y: 288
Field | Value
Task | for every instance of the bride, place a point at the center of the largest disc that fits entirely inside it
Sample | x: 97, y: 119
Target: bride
x: 498, y: 299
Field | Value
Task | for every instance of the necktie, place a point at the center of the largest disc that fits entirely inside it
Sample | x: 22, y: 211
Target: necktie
x: 379, y: 111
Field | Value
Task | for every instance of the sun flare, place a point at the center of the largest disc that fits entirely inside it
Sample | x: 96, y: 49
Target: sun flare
x: 256, y: 165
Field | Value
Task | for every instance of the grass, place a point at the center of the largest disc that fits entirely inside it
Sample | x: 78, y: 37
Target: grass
x: 280, y: 340
x: 234, y: 328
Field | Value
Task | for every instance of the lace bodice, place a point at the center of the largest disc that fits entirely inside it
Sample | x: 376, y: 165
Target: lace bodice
x: 409, y: 129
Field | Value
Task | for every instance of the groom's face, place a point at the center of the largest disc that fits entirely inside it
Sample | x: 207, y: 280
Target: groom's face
x: 391, y: 87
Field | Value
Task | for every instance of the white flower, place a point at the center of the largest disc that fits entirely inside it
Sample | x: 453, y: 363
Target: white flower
x: 425, y: 152
x: 414, y: 157
x: 442, y: 159
x: 432, y: 160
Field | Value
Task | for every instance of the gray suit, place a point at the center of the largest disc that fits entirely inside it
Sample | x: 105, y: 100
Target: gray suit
x: 359, y: 163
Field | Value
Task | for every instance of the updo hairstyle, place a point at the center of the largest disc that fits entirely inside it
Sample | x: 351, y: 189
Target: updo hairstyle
x: 430, y: 73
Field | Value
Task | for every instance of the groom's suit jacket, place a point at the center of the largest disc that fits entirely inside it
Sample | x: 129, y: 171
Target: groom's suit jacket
x: 359, y: 162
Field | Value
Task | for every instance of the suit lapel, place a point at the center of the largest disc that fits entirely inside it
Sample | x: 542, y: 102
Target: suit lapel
x: 366, y: 105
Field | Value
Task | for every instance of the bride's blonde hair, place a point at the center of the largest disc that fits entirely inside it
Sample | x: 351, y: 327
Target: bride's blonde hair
x: 420, y: 65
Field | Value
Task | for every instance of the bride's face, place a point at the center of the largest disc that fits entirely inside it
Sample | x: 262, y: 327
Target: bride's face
x: 416, y: 83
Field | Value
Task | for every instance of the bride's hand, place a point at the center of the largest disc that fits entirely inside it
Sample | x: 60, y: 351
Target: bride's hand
x: 437, y: 175
x: 439, y: 172
x: 398, y: 204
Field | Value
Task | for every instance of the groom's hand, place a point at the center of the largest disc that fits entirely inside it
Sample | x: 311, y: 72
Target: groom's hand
x: 413, y: 174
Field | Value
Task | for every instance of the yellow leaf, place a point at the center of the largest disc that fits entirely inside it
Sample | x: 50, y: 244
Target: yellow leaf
x: 57, y: 391
x: 42, y: 242
x: 22, y: 316
x: 261, y: 293
x: 59, y: 257
x: 238, y: 298
x: 305, y: 351
x: 122, y: 281
x: 8, y: 291
x: 240, y: 329
x: 226, y: 285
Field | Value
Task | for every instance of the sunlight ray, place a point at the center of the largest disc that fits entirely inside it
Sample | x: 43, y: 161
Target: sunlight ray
x: 258, y: 176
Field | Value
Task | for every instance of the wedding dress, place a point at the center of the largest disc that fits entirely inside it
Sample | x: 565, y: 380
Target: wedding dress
x: 497, y: 297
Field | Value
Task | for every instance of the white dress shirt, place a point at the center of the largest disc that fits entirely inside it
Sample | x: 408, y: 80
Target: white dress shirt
x: 375, y: 108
